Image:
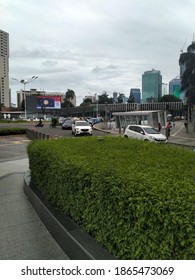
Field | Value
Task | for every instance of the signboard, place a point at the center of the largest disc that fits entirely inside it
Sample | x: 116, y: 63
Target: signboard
x: 49, y: 102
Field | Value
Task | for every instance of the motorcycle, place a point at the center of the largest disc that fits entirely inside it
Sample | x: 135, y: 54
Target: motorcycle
x: 38, y: 124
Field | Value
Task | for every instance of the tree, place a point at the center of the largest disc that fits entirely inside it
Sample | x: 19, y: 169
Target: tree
x: 86, y: 102
x: 120, y: 98
x: 188, y: 79
x: 104, y: 98
x: 169, y: 98
x: 69, y: 95
x: 131, y: 98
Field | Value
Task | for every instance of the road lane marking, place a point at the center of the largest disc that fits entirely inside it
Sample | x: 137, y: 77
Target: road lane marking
x: 174, y: 134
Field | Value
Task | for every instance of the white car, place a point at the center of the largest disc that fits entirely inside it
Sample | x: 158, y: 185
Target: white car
x: 81, y: 128
x: 144, y: 132
x: 61, y: 120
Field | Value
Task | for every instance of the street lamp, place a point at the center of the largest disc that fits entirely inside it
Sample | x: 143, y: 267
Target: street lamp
x: 24, y: 82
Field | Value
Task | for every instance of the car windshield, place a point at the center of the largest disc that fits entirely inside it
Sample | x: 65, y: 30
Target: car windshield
x: 82, y: 124
x: 68, y: 122
x: 150, y: 130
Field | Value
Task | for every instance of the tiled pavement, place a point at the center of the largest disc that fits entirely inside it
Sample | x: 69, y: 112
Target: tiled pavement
x: 22, y: 234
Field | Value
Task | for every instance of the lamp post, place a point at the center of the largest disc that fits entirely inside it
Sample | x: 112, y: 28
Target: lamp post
x: 24, y: 82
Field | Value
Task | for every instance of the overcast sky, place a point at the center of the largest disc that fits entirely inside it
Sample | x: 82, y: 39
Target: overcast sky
x: 92, y: 46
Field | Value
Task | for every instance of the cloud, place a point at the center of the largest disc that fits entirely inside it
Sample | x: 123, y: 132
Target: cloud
x: 109, y: 67
x: 92, y: 46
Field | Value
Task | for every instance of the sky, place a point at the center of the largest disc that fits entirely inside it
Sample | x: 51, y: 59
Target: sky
x: 92, y: 46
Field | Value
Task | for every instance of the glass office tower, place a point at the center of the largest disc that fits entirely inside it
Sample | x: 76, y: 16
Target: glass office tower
x: 136, y: 94
x: 175, y: 87
x: 151, y: 86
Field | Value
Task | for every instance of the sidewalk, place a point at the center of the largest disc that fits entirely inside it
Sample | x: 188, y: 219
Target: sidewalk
x: 23, y: 235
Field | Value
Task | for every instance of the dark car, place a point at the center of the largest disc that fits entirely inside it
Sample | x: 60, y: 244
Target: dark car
x: 67, y: 124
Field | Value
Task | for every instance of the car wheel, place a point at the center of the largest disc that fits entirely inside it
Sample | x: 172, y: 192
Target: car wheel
x: 125, y: 136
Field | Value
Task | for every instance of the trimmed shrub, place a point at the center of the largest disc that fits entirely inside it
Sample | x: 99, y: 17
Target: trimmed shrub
x: 136, y: 198
x: 12, y: 131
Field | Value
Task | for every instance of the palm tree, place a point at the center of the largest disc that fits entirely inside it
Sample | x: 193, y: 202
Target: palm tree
x: 120, y: 98
x: 103, y: 98
x: 69, y: 95
x: 131, y: 98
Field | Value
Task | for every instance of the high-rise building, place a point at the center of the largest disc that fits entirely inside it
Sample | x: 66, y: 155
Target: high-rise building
x: 136, y: 93
x: 151, y: 86
x: 5, y: 97
x: 175, y: 87
x: 164, y: 89
x: 115, y: 95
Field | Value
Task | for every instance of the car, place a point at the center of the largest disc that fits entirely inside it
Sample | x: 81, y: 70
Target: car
x: 93, y: 121
x: 61, y: 120
x: 144, y: 132
x: 81, y: 128
x: 67, y: 124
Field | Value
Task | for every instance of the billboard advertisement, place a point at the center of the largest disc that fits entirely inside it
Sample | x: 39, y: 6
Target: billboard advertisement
x: 50, y: 102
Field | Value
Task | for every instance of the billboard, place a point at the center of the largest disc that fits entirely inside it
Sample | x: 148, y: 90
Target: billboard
x: 49, y: 102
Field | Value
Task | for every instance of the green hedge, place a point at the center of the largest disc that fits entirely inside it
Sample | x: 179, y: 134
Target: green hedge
x: 12, y: 131
x: 137, y: 199
x: 11, y: 121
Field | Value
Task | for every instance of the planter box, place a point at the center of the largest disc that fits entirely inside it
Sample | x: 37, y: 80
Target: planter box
x: 77, y: 244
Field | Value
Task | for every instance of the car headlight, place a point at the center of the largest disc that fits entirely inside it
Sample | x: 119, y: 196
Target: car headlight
x: 152, y: 137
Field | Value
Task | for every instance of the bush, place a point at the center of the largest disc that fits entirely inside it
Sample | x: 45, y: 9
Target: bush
x: 136, y: 198
x: 12, y: 131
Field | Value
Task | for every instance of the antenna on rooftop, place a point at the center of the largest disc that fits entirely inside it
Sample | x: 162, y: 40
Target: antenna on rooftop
x: 181, y: 50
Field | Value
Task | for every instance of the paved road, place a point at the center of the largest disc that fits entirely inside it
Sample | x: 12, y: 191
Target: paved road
x: 46, y: 129
x: 13, y: 147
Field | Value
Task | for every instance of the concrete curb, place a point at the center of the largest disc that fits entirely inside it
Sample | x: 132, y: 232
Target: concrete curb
x: 77, y: 244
